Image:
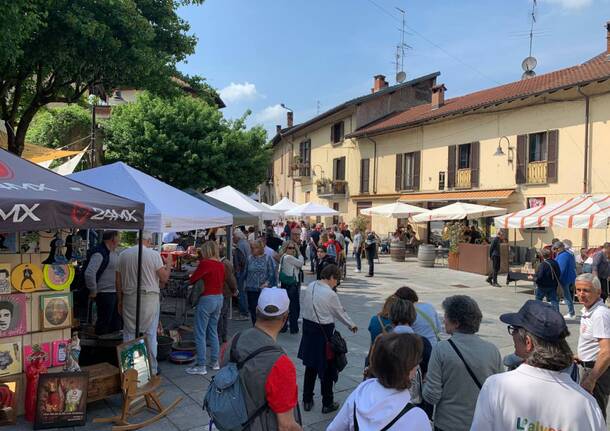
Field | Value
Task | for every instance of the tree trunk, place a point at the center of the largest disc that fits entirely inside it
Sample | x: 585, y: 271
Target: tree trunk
x: 13, y: 145
x: 16, y: 141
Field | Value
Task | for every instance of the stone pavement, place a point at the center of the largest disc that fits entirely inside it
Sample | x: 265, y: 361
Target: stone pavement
x: 361, y: 297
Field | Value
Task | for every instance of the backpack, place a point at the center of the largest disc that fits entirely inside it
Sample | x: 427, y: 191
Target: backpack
x: 225, y: 401
x: 331, y: 249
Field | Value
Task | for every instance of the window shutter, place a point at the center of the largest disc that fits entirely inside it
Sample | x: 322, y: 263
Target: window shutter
x: 332, y: 134
x: 335, y: 169
x: 474, y: 163
x: 342, y: 130
x: 451, y: 167
x: 552, y: 154
x: 520, y: 176
x: 364, y: 175
x: 398, y: 185
x: 416, y: 163
x: 342, y: 169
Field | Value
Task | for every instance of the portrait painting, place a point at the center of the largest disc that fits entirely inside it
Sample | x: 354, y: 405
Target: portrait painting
x: 26, y: 277
x: 56, y: 311
x: 13, y: 315
x: 9, y: 395
x: 62, y: 400
x: 5, y: 278
x: 10, y: 358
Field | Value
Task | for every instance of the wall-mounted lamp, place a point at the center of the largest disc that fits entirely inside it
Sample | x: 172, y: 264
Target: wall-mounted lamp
x: 499, y: 152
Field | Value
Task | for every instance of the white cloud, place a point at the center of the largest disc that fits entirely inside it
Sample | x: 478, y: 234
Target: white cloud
x: 235, y: 92
x: 571, y: 4
x: 271, y: 114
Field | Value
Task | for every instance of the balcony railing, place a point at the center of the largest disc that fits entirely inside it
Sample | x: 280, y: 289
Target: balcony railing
x: 537, y: 172
x: 463, y: 179
x: 300, y: 170
x: 331, y: 189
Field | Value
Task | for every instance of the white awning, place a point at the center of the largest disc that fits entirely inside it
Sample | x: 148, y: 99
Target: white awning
x: 459, y: 211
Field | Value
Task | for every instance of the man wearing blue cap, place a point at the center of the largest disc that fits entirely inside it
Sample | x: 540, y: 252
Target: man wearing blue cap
x: 537, y: 395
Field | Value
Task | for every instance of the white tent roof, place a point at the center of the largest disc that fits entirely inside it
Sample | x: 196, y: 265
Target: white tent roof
x: 311, y: 209
x: 284, y: 205
x: 581, y: 212
x: 395, y: 210
x: 459, y: 211
x: 165, y: 207
x: 239, y: 200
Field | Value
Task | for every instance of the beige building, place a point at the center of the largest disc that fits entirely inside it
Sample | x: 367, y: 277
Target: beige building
x: 536, y: 140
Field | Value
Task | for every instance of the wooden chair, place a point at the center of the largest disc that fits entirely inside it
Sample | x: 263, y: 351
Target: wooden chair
x: 135, y: 400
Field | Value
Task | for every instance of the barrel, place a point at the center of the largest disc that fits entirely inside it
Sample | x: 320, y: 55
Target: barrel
x: 426, y: 255
x: 397, y: 251
x: 164, y: 347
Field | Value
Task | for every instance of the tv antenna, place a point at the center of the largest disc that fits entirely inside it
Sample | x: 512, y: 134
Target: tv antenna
x: 529, y: 63
x: 400, y: 51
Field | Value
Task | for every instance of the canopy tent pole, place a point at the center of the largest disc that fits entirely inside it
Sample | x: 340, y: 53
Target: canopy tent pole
x: 139, y: 283
x: 229, y: 242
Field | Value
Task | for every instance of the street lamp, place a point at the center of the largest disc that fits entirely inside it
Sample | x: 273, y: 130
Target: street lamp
x: 286, y: 107
x: 499, y: 152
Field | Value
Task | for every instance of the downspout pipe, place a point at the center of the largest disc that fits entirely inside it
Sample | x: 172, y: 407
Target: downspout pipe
x: 585, y: 179
x: 374, y: 163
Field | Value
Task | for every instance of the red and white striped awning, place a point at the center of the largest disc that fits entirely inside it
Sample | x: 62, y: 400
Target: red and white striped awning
x: 580, y: 212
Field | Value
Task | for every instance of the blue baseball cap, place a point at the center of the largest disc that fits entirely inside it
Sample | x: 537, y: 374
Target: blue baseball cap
x: 539, y: 318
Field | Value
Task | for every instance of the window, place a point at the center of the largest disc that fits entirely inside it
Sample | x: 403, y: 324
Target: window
x: 305, y: 158
x: 339, y: 169
x: 364, y: 175
x: 537, y: 147
x: 464, y: 156
x: 336, y: 132
x: 336, y: 208
x: 282, y: 162
x: 441, y: 180
x: 307, y: 196
x: 407, y: 171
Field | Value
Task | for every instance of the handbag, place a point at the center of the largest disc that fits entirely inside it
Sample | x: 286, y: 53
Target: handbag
x: 194, y: 293
x: 335, y: 347
x: 286, y: 279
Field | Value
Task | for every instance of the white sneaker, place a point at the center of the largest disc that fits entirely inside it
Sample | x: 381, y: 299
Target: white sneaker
x: 356, y: 270
x: 563, y: 301
x: 216, y: 366
x: 569, y: 316
x: 201, y: 371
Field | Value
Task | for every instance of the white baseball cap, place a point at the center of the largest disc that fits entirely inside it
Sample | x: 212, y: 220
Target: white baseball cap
x: 273, y: 301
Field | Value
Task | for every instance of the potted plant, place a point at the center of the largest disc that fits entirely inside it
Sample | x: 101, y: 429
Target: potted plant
x: 452, y: 233
x: 323, y: 184
x: 296, y: 163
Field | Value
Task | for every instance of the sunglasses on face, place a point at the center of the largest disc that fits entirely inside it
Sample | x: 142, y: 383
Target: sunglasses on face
x: 512, y: 329
x: 289, y: 248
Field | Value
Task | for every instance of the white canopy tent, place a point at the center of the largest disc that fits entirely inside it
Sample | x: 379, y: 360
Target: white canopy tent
x: 458, y: 211
x: 580, y: 212
x: 394, y: 210
x: 311, y: 209
x: 284, y: 205
x: 235, y: 198
x: 166, y: 209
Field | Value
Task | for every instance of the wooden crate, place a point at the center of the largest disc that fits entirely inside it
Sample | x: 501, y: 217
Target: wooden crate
x: 104, y: 380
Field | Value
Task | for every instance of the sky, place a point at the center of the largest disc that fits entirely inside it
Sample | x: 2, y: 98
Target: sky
x: 312, y: 55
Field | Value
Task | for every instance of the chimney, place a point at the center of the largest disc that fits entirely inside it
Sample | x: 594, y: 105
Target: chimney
x: 608, y: 37
x: 289, y: 119
x: 379, y: 83
x: 278, y: 129
x: 438, y: 96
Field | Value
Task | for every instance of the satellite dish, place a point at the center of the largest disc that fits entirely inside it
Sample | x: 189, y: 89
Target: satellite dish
x: 529, y: 64
x: 528, y: 74
x: 400, y: 77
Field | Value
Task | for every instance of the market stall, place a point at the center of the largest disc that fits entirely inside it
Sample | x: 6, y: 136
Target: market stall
x: 239, y: 200
x: 311, y: 209
x: 284, y: 205
x: 38, y: 208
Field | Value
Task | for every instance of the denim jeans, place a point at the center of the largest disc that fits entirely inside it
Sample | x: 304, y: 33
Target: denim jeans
x: 568, y: 296
x: 206, y: 327
x: 242, y: 299
x: 550, y: 293
x: 313, y: 258
x: 370, y: 256
x: 294, y: 309
x: 252, y: 303
x: 358, y: 257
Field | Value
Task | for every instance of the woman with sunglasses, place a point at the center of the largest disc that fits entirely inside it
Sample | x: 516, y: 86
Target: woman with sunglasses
x: 291, y: 263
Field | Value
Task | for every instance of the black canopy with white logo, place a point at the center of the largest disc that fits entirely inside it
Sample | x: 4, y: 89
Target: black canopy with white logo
x: 34, y: 198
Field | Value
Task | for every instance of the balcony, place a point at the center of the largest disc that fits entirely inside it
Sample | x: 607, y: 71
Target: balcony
x: 299, y: 171
x: 329, y: 189
x: 463, y: 179
x: 537, y: 172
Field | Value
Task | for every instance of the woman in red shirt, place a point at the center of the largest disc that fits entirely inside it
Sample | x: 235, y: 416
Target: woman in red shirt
x: 211, y: 271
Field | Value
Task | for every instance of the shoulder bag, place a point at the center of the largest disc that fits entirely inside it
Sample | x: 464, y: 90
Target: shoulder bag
x: 287, y: 280
x: 336, y: 347
x: 474, y: 378
x: 559, y: 285
x: 194, y: 292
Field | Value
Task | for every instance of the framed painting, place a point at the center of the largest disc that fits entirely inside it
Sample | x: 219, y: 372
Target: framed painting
x: 62, y: 400
x: 60, y: 352
x: 29, y: 242
x: 13, y: 319
x: 10, y: 358
x: 26, y: 277
x: 8, y: 242
x: 56, y: 311
x: 58, y: 277
x: 43, y: 347
x: 5, y: 278
x: 134, y: 354
x: 9, y: 396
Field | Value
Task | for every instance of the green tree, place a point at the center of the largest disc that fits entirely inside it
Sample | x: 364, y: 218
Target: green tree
x: 184, y: 141
x: 69, y: 46
x: 60, y: 126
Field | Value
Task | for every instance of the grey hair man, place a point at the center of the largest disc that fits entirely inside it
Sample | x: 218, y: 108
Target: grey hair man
x: 539, y: 335
x: 155, y: 274
x: 594, y: 339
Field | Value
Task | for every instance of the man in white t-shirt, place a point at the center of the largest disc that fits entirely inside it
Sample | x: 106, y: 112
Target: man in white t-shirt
x: 154, y: 275
x: 539, y: 394
x: 594, y: 340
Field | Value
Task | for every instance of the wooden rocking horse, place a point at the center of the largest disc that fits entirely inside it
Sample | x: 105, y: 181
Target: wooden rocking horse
x: 136, y: 399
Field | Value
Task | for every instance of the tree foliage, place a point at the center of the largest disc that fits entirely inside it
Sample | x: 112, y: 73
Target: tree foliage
x: 55, y: 50
x: 186, y: 142
x: 58, y: 127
